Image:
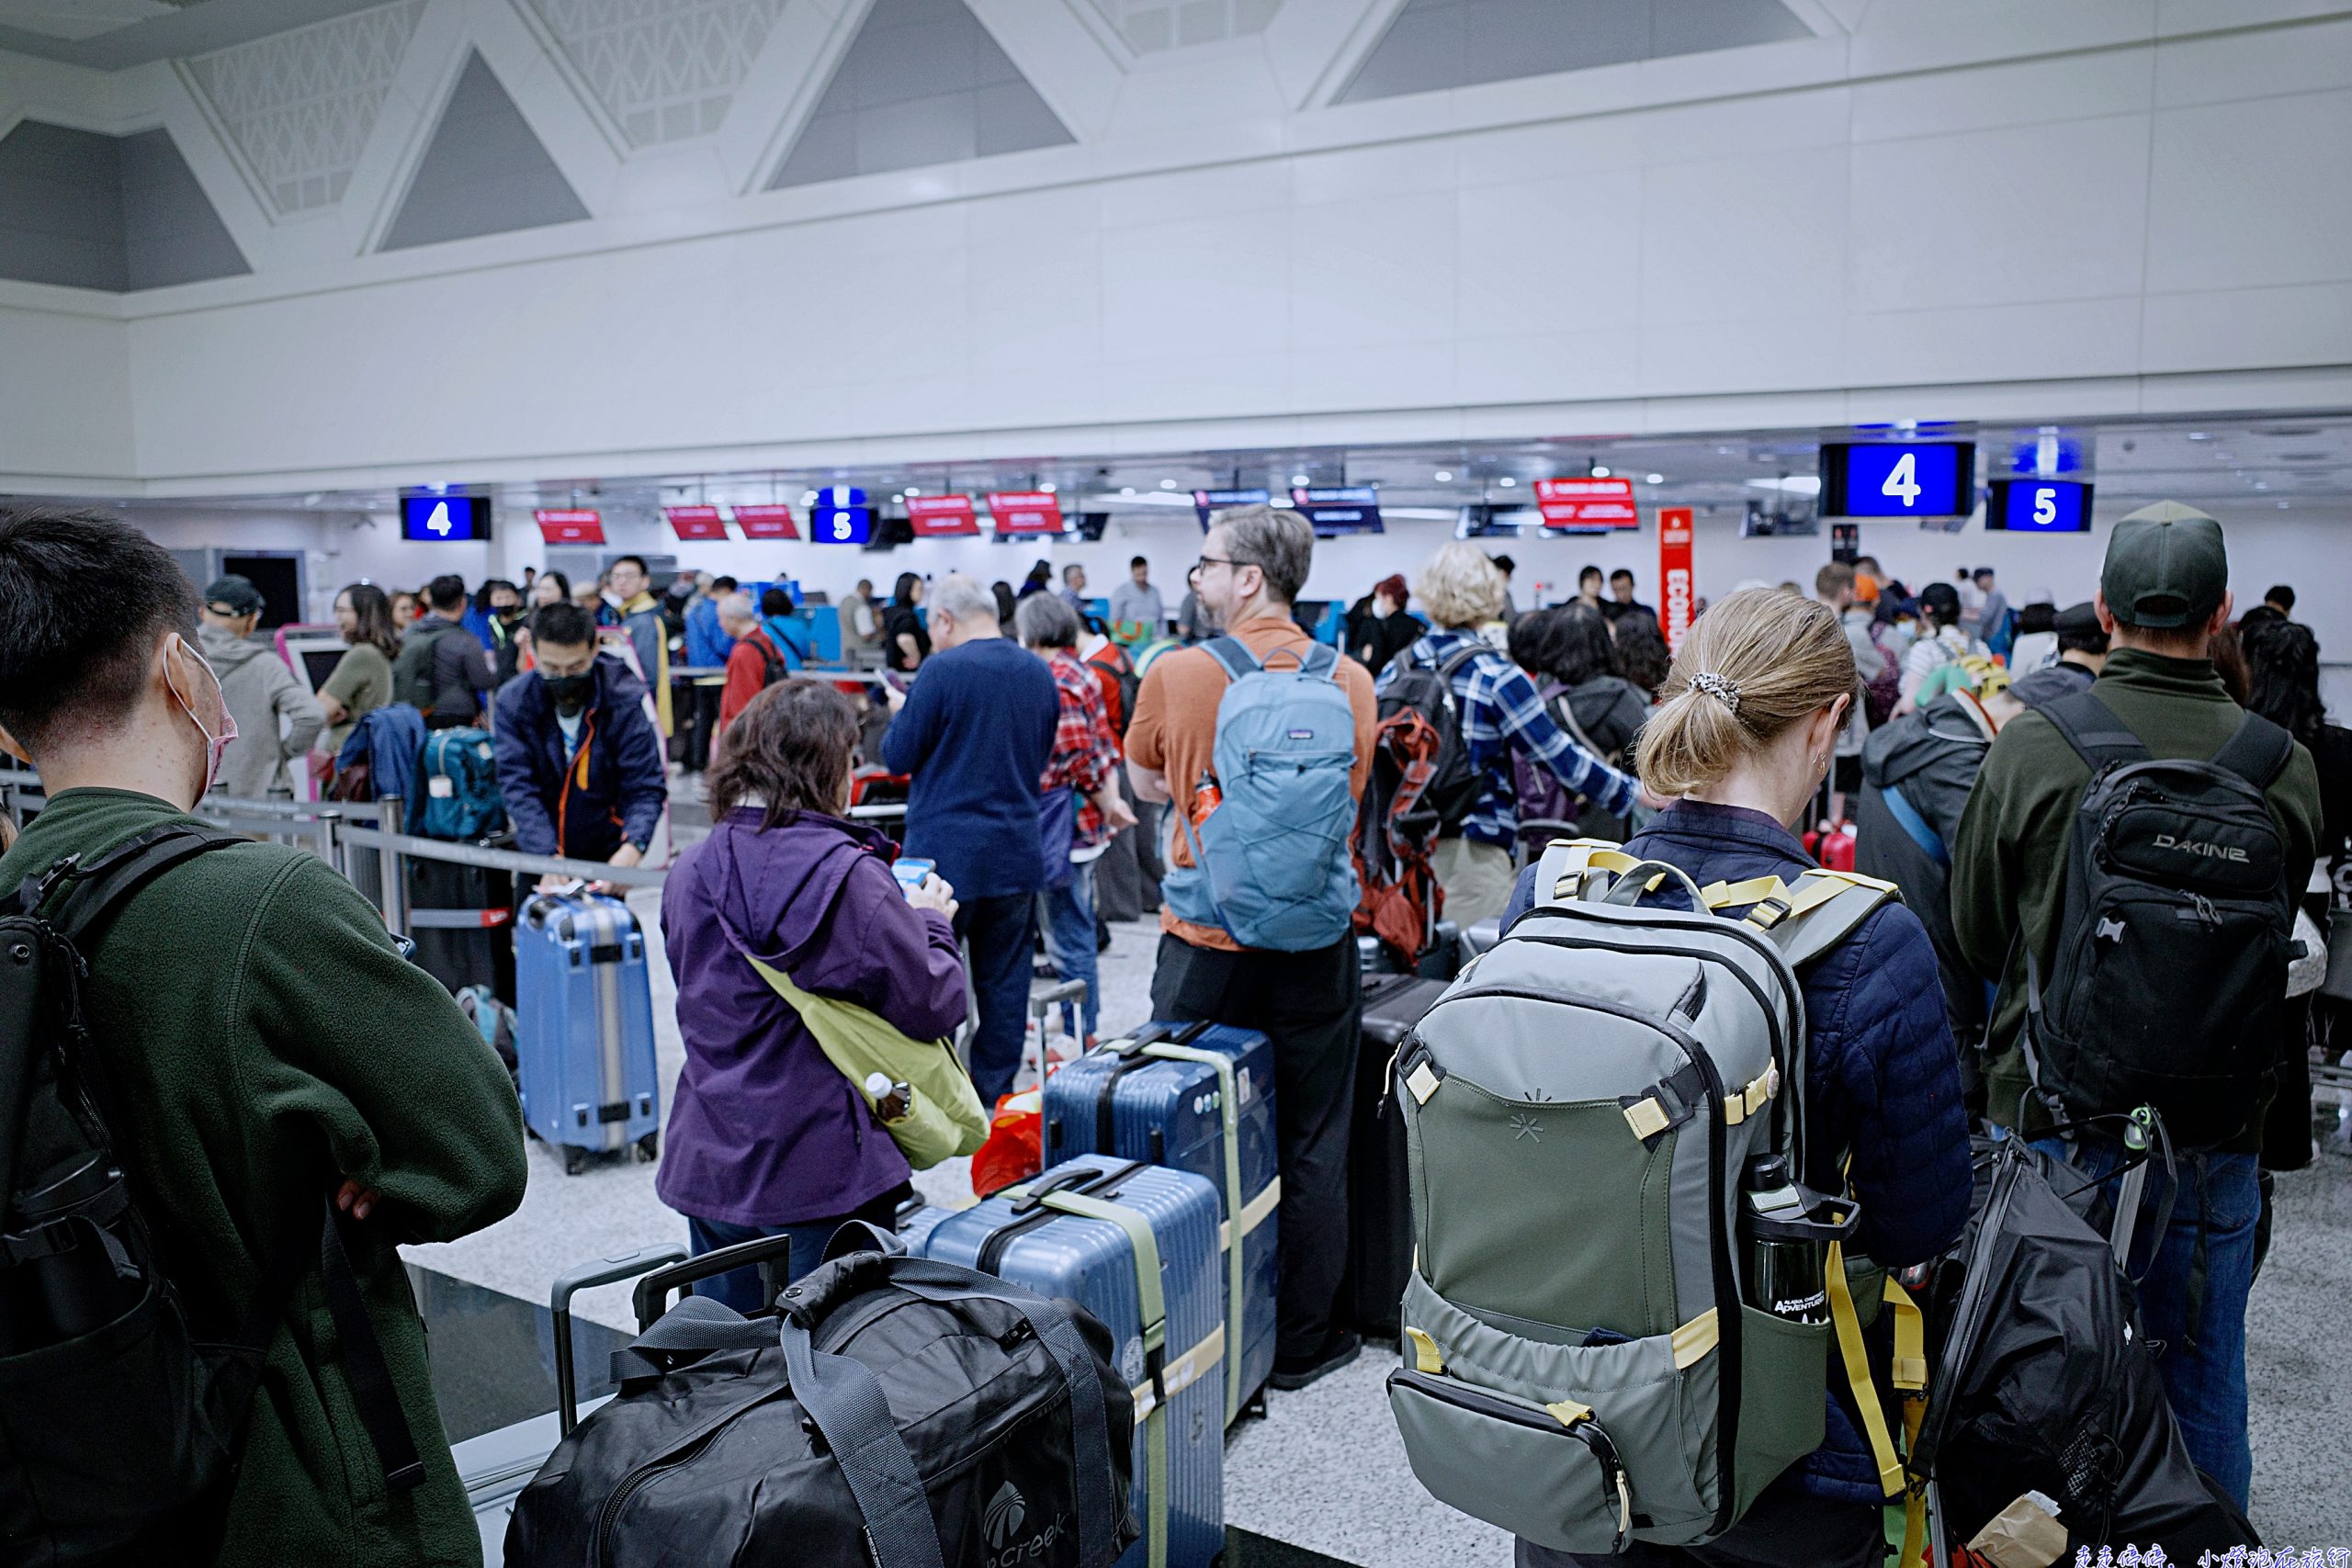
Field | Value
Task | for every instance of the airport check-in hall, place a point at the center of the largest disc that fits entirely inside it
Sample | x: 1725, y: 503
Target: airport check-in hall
x: 1138, y: 784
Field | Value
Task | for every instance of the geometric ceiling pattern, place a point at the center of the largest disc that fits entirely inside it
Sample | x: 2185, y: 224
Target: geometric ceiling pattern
x: 1431, y: 45
x: 1150, y: 25
x: 484, y: 170
x: 299, y: 104
x: 665, y: 73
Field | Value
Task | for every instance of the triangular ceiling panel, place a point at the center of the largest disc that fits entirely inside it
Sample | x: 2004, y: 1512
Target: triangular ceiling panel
x: 116, y: 213
x: 1150, y: 25
x: 923, y: 82
x: 664, y: 73
x: 1436, y: 44
x: 484, y: 172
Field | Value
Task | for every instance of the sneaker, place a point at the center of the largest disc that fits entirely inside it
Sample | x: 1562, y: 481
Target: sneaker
x: 1295, y: 1372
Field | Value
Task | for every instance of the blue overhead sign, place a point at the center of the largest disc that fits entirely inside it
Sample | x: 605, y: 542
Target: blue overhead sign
x: 1340, y: 509
x: 840, y: 516
x: 2038, y: 506
x: 1206, y: 501
x: 442, y: 519
x: 1898, y: 479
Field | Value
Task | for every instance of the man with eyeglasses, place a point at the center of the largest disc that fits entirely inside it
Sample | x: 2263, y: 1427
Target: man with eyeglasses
x: 1251, y: 571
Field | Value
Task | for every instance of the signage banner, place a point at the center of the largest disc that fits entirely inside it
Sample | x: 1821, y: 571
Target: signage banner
x: 1208, y: 502
x: 1674, y: 572
x: 695, y: 522
x: 1025, y: 511
x: 570, y: 525
x: 840, y: 516
x: 1588, y: 503
x: 1340, y: 509
x: 766, y: 523
x: 941, y: 516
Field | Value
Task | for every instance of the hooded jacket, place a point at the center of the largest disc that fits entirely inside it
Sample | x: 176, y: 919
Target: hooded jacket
x: 1882, y: 1080
x: 259, y: 692
x: 610, y: 792
x: 641, y: 618
x: 1917, y: 772
x: 763, y: 1129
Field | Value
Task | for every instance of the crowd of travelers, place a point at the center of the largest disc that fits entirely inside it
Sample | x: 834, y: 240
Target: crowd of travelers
x: 1928, y: 734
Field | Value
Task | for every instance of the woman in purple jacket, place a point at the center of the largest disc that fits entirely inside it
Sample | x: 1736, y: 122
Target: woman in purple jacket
x: 766, y: 1136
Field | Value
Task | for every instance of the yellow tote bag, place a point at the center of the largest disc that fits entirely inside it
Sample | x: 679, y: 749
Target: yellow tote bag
x: 944, y: 1117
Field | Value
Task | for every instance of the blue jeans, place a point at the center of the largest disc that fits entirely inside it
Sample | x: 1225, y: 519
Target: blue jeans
x: 1068, y: 915
x: 740, y: 1288
x: 2196, y: 1306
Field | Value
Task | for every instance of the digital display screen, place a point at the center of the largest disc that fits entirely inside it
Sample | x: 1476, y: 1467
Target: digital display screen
x: 442, y: 519
x: 1898, y: 479
x: 840, y: 516
x: 1338, y: 509
x: 2038, y: 506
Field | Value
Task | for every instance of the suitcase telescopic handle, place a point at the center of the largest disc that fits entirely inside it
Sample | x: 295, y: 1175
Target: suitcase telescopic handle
x: 652, y: 1297
x: 603, y: 1271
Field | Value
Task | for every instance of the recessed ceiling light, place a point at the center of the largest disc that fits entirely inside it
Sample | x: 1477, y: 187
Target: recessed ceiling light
x: 1657, y: 478
x: 2199, y: 436
x: 1047, y: 487
x: 1299, y: 480
x: 1127, y: 489
x: 807, y: 497
x: 899, y: 496
x: 1505, y: 482
x: 1601, y: 471
x: 2260, y: 484
x: 1443, y: 475
x: 912, y: 491
x: 1168, y: 484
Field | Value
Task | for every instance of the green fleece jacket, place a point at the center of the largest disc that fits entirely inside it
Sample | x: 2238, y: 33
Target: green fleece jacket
x: 2008, y: 866
x: 267, y: 1041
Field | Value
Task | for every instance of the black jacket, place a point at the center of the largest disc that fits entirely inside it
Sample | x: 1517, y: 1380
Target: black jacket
x: 1917, y: 772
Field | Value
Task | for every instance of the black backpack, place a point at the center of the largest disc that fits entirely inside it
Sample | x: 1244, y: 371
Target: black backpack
x: 772, y: 668
x: 134, y: 1407
x: 2175, y: 921
x: 1006, y: 1434
x: 1455, y: 786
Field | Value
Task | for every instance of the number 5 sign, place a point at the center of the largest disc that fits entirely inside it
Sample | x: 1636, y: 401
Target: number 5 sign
x: 1674, y: 572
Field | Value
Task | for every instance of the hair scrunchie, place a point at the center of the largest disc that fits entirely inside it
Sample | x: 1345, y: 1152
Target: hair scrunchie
x: 1720, y: 687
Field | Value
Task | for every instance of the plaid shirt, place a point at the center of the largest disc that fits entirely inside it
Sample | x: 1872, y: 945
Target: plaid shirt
x: 1502, y: 713
x: 1086, y: 753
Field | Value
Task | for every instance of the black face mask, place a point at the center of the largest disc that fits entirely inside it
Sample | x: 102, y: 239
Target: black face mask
x: 570, y: 692
x: 508, y: 613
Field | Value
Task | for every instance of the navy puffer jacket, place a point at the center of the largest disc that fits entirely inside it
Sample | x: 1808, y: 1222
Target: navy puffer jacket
x: 1882, y: 1079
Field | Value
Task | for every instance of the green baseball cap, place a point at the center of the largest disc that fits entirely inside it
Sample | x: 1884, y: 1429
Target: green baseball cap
x: 2166, y: 567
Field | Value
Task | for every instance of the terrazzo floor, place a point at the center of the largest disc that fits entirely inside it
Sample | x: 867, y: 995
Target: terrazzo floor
x: 1324, y: 1471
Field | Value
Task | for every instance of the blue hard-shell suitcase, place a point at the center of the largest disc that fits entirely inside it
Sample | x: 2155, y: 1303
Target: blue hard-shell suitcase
x: 1024, y: 1235
x: 583, y: 1028
x: 1138, y: 1099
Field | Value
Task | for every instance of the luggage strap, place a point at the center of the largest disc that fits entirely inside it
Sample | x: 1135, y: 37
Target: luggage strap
x: 840, y: 1395
x: 1906, y: 817
x: 1145, y: 1247
x: 1807, y: 917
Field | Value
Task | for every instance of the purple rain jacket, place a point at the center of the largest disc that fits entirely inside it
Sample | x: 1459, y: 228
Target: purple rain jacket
x: 763, y: 1129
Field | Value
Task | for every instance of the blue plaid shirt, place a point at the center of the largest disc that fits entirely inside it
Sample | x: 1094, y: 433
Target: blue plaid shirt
x: 1501, y: 712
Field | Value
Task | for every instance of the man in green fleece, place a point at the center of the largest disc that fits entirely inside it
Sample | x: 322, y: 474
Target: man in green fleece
x: 268, y: 1045
x: 2164, y: 591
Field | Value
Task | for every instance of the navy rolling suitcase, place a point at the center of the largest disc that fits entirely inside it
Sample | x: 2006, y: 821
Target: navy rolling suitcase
x: 1196, y: 1097
x: 1136, y: 1245
x: 583, y: 1028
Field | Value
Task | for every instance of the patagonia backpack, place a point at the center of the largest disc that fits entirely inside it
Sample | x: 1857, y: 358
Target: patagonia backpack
x: 1585, y: 1360
x: 461, y: 800
x: 1428, y: 692
x: 2177, y: 917
x: 1270, y: 861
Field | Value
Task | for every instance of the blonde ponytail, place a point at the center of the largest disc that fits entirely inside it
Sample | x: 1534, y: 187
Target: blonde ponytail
x: 1750, y: 667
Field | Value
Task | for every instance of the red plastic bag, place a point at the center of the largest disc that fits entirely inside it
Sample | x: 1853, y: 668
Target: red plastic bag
x: 1015, y: 1149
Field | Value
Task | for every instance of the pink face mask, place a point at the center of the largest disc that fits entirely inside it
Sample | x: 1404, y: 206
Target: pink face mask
x: 214, y: 745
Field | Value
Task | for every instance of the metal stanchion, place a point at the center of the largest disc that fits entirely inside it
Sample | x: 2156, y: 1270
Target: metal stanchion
x: 393, y: 895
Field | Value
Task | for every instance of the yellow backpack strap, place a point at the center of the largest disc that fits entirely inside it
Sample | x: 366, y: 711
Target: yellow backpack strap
x: 1858, y: 1372
x: 1824, y: 909
x: 1910, y: 1379
x: 1566, y: 861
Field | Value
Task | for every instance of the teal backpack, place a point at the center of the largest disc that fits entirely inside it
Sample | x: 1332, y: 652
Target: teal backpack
x: 461, y: 800
x: 1271, y: 863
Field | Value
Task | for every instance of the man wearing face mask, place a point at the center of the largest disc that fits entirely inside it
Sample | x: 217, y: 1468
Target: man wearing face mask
x: 267, y: 1050
x: 578, y: 762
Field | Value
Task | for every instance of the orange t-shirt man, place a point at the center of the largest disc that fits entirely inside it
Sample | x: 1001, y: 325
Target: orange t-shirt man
x: 1174, y: 733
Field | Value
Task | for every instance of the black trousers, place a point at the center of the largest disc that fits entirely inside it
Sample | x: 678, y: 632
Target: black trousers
x: 1785, y: 1528
x: 1308, y: 1004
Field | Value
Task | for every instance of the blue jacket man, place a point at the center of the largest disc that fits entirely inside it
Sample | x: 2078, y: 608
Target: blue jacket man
x: 580, y: 763
x: 707, y: 644
x: 1882, y: 1079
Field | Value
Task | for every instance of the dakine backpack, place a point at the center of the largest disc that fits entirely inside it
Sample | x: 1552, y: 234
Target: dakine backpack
x: 461, y: 800
x: 1581, y: 1363
x: 1270, y: 861
x: 1454, y: 787
x: 2174, y: 925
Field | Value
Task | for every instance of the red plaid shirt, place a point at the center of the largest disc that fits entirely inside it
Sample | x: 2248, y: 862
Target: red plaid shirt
x: 1085, y: 751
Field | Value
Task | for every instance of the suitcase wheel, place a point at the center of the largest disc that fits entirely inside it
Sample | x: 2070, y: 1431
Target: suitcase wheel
x: 575, y: 1159
x: 648, y: 1148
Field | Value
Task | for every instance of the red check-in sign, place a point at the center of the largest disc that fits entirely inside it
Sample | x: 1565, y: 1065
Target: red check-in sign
x: 1025, y: 511
x: 568, y: 525
x: 696, y: 521
x: 1588, y: 503
x: 766, y: 523
x: 1674, y: 571
x: 941, y: 516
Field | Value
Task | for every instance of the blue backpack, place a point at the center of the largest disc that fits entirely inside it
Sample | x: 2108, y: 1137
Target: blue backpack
x: 1272, y: 867
x: 461, y: 800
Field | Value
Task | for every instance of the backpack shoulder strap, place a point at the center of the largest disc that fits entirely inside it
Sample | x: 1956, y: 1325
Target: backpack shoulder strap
x: 97, y: 892
x: 1322, y: 659
x: 1460, y: 657
x: 1807, y: 918
x: 1234, y: 656
x: 2090, y: 727
x: 2257, y: 751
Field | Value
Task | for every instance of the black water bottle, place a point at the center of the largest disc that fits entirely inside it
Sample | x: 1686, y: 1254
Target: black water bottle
x: 1783, y: 1264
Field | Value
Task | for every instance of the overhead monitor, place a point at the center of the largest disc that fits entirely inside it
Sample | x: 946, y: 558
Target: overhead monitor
x: 1338, y: 509
x: 441, y: 519
x: 2038, y: 506
x: 1898, y: 479
x: 278, y: 575
x: 840, y: 516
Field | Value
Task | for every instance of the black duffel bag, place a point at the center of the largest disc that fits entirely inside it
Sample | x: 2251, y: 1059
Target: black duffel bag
x: 2043, y: 1380
x: 901, y: 1411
